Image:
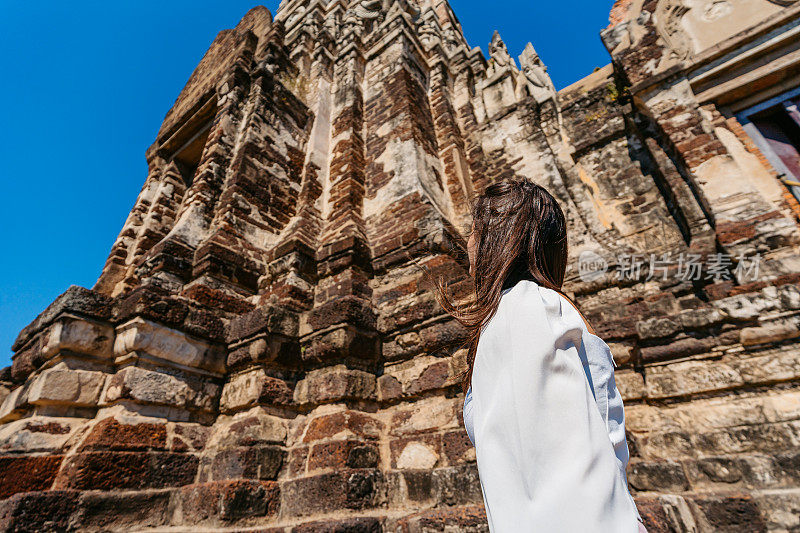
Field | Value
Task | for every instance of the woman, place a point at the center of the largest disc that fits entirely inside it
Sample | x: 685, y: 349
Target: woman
x: 541, y: 408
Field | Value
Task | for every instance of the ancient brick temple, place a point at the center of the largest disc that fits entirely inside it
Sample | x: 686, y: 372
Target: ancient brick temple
x: 263, y: 348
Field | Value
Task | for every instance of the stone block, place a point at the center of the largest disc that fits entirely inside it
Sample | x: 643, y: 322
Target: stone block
x: 457, y: 485
x: 111, y: 434
x: 747, y: 306
x: 655, y: 516
x: 622, y: 352
x: 122, y: 511
x: 768, y: 334
x: 74, y: 334
x: 365, y: 524
x: 690, y: 377
x: 269, y: 319
x: 263, y: 349
x: 732, y: 512
x: 419, y: 452
x: 773, y: 367
x: 388, y: 388
x: 252, y: 462
x: 407, y: 313
x: 425, y: 415
x: 661, y: 476
x: 27, y: 360
x: 228, y: 501
x: 334, y: 384
x: 345, y: 489
x: 296, y: 462
x: 15, y: 404
x: 343, y: 454
x: 780, y: 508
x: 656, y: 328
x: 27, y: 473
x: 666, y: 445
x: 410, y: 486
x: 678, y: 349
x: 789, y: 296
x: 49, y: 511
x: 699, y: 318
x: 349, y: 309
x: 733, y: 471
x: 188, y: 437
x: 340, y: 342
x: 139, y: 335
x: 630, y: 384
x: 781, y: 469
x: 765, y: 438
x: 156, y: 305
x: 76, y: 301
x: 457, y: 447
x: 417, y: 375
x: 161, y: 387
x: 249, y: 428
x: 37, y: 434
x: 442, y: 335
x: 254, y: 387
x: 65, y: 386
x: 342, y: 425
x: 468, y: 519
x: 108, y: 470
x: 5, y: 390
x: 429, y: 339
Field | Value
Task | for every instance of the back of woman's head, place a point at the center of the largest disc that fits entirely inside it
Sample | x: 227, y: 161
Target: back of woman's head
x: 519, y: 232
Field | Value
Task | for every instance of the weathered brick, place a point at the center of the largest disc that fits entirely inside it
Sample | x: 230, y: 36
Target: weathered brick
x: 226, y: 501
x: 27, y: 473
x: 49, y: 511
x: 126, y: 470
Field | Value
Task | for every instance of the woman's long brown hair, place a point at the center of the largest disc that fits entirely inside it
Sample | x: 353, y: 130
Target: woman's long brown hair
x: 520, y: 233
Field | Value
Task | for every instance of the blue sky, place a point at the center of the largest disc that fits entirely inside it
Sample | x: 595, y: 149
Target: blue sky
x: 86, y: 85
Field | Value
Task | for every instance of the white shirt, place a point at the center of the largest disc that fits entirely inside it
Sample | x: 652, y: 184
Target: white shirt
x: 547, y: 421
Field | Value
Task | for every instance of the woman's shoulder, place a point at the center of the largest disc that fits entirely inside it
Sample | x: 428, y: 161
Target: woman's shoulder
x: 559, y: 312
x: 523, y: 289
x: 531, y: 293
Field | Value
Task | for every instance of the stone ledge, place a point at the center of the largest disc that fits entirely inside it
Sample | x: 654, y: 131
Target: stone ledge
x: 76, y: 300
x: 168, y: 344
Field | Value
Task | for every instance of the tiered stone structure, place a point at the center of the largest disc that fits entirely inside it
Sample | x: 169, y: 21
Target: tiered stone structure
x: 263, y: 348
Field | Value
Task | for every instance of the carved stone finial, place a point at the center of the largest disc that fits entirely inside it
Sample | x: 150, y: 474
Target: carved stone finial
x: 428, y: 29
x: 331, y: 25
x: 428, y: 35
x: 500, y: 58
x: 450, y: 38
x: 534, y: 75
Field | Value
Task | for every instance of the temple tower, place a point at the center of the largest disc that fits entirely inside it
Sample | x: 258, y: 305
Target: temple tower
x: 263, y: 348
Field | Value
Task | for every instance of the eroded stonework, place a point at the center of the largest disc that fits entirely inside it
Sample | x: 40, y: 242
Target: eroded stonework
x: 263, y: 348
